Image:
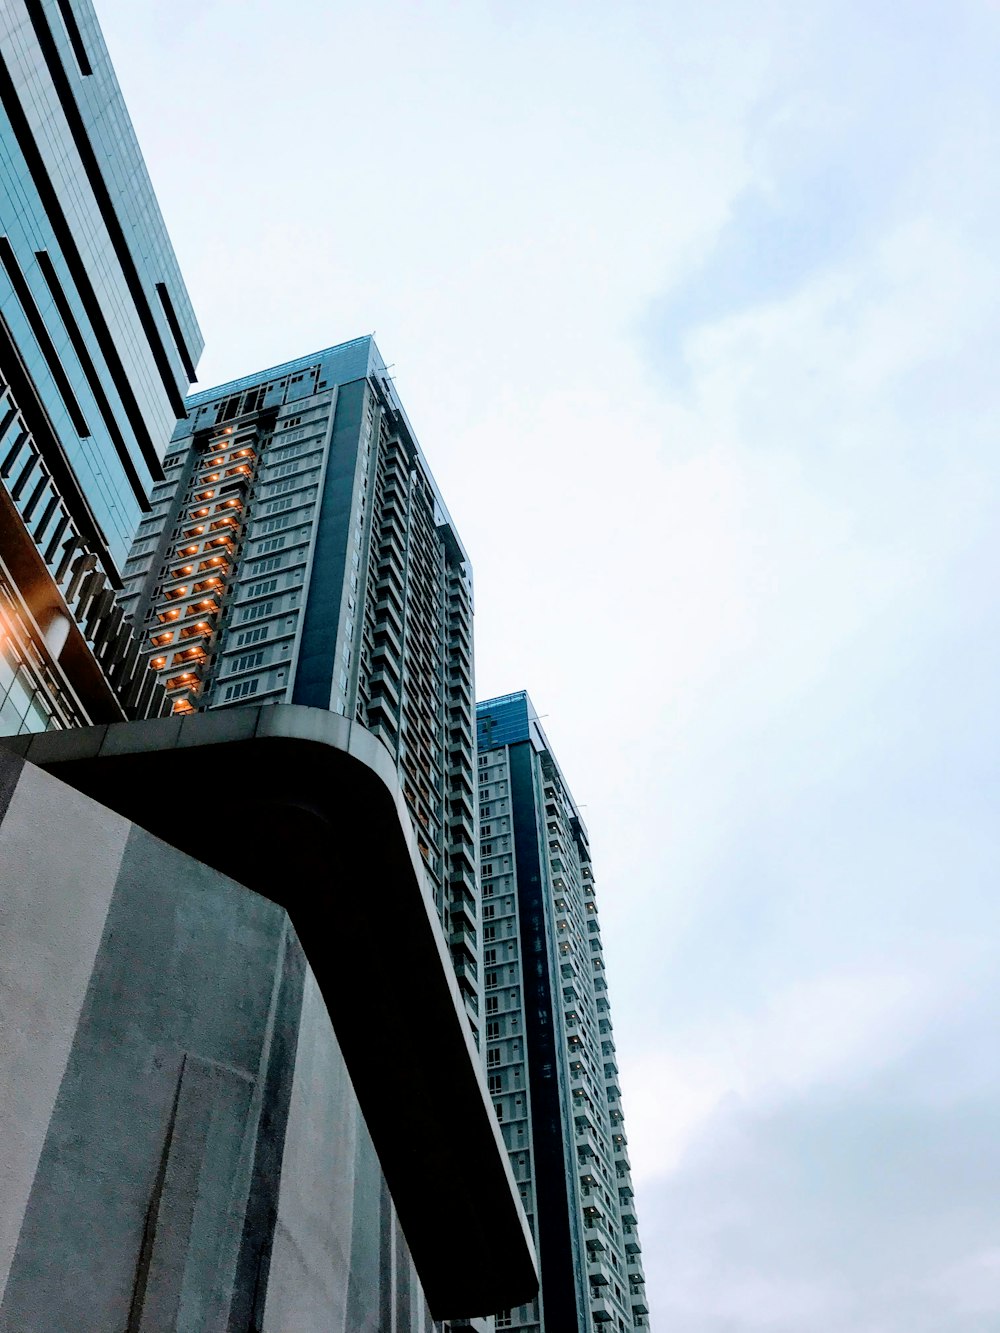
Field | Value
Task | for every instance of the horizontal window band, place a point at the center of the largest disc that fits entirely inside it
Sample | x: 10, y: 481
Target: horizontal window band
x: 175, y: 328
x: 22, y: 291
x: 74, y: 262
x: 44, y: 438
x: 75, y: 36
x: 93, y: 379
x: 88, y: 157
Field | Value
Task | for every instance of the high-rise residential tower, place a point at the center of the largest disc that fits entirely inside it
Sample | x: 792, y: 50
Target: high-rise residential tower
x: 550, y: 1050
x: 98, y: 343
x: 299, y: 552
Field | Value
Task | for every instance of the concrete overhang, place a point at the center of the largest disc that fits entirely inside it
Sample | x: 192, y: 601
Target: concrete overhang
x: 304, y: 807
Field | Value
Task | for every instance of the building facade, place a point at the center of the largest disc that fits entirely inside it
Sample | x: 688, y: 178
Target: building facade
x: 98, y: 343
x: 299, y: 552
x: 548, y: 1037
x: 208, y: 1118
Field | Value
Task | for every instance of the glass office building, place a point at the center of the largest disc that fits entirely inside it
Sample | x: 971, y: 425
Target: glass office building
x: 549, y: 1042
x: 98, y: 344
x: 299, y: 552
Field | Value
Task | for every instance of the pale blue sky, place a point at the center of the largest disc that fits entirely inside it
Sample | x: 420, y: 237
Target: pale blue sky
x: 694, y: 311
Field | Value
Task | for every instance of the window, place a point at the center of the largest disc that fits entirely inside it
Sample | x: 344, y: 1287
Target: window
x: 252, y: 635
x: 246, y: 661
x: 492, y: 1004
x: 272, y: 544
x: 272, y: 524
x: 493, y: 1029
x: 241, y: 689
x: 493, y: 1057
x: 272, y: 562
x: 495, y: 1083
x: 490, y: 981
x: 489, y: 909
x: 489, y: 932
x: 489, y: 956
x: 257, y: 611
x: 259, y: 589
x: 503, y: 1319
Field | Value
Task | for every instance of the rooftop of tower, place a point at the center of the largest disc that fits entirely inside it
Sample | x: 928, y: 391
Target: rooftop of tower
x: 343, y: 363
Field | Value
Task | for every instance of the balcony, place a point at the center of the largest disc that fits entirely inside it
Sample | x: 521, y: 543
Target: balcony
x: 463, y: 910
x: 197, y: 630
x: 381, y: 682
x: 211, y: 585
x: 208, y: 606
x: 603, y: 1311
x: 463, y: 941
x: 466, y: 973
x: 189, y: 656
x: 186, y: 680
x: 462, y: 881
x: 460, y: 826
x: 221, y: 543
x: 599, y: 1273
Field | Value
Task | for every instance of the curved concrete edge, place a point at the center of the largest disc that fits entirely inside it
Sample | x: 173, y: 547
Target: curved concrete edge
x: 322, y: 828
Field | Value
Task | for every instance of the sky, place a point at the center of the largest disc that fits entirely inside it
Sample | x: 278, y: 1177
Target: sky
x: 694, y: 310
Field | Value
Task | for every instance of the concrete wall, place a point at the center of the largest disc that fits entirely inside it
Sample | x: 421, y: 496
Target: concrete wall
x: 180, y: 1143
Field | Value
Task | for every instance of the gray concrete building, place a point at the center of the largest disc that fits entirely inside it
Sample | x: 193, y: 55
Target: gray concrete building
x: 548, y: 1036
x: 211, y: 1117
x: 299, y: 551
x: 98, y: 344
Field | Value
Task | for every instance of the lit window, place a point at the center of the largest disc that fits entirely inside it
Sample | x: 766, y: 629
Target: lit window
x: 205, y: 495
x: 185, y: 681
x: 159, y: 640
x: 182, y: 591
